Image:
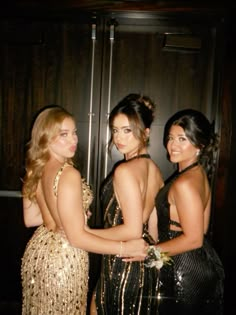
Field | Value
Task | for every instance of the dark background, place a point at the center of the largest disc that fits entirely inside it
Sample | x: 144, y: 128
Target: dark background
x: 180, y: 53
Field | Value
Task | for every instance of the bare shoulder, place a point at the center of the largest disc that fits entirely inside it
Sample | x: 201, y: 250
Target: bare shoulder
x: 70, y: 169
x: 191, y: 180
x: 123, y: 169
x: 70, y: 177
x: 140, y: 169
x: 131, y: 166
x: 130, y: 171
x: 156, y: 168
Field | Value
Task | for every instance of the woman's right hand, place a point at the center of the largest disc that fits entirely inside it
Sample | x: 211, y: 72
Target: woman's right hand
x: 135, y: 250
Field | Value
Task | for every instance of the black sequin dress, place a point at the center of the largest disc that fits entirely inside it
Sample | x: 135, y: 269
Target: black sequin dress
x: 193, y: 283
x: 124, y: 288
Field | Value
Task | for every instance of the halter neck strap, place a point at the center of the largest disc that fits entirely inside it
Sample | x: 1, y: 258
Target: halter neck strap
x: 188, y: 167
x: 145, y: 155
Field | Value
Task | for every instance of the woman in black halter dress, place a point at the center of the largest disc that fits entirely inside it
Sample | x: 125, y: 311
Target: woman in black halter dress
x: 127, y: 201
x: 193, y: 282
x: 124, y: 288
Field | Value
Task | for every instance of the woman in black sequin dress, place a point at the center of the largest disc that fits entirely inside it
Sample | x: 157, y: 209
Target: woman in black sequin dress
x: 193, y: 283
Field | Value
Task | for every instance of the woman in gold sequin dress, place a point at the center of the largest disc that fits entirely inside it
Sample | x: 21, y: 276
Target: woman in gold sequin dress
x: 128, y: 198
x: 56, y: 199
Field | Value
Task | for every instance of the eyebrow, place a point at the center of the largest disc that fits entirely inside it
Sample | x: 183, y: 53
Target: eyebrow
x: 179, y: 134
x: 67, y: 129
x: 122, y: 127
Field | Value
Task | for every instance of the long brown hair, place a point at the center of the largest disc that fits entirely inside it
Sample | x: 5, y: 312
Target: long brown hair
x: 45, y: 128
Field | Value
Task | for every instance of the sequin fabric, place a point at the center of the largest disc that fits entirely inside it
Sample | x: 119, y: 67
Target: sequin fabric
x: 123, y: 288
x: 55, y: 274
x: 194, y: 282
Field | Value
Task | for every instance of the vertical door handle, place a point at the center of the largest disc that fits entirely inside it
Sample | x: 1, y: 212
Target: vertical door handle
x: 91, y: 114
x: 112, y: 24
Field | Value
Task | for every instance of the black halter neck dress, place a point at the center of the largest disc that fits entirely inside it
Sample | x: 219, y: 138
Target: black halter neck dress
x: 124, y: 288
x: 193, y: 283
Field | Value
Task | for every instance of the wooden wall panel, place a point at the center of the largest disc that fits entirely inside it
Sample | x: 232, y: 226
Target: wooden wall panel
x: 49, y: 66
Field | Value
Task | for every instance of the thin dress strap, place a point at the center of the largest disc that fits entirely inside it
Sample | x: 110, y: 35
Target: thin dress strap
x: 56, y: 180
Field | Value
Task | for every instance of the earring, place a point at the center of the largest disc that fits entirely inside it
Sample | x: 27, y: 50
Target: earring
x: 147, y: 140
x: 197, y: 152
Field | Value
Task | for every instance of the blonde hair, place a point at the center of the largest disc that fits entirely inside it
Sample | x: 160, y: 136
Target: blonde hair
x: 45, y: 129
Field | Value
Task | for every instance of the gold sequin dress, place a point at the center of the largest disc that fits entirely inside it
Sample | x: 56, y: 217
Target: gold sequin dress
x: 55, y: 274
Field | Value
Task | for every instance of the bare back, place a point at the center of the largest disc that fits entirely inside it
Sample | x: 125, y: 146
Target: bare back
x: 136, y: 184
x: 191, y: 188
x: 46, y: 195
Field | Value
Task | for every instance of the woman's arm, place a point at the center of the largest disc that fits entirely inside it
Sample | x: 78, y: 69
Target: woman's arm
x: 70, y: 208
x: 31, y: 213
x: 128, y: 194
x: 186, y: 198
